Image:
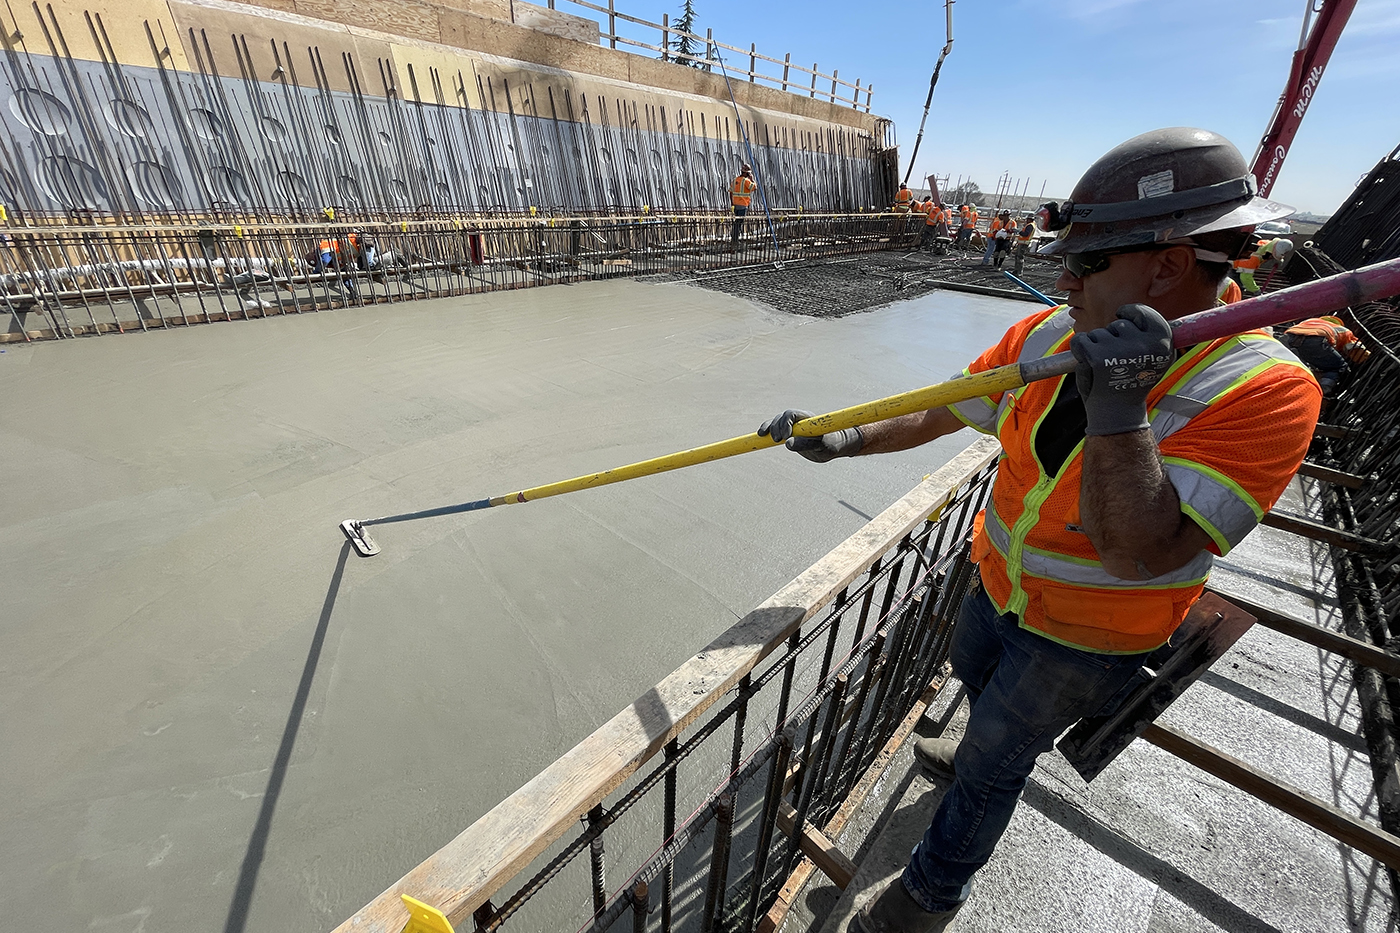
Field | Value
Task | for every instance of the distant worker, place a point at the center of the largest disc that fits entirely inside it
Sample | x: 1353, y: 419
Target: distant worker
x: 998, y: 238
x: 328, y: 258
x: 902, y: 199
x: 943, y: 229
x: 932, y: 213
x: 1277, y: 249
x: 740, y: 196
x: 1328, y: 347
x: 1025, y: 238
x: 967, y: 225
x: 929, y: 212
x: 1112, y: 495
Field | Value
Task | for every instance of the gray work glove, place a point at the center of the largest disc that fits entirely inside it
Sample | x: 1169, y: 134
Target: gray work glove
x: 1118, y: 365
x: 845, y: 443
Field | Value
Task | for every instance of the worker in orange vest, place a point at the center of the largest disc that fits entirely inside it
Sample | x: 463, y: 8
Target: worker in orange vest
x: 945, y: 222
x: 740, y: 196
x: 998, y: 238
x: 1328, y: 347
x: 1114, y: 490
x: 968, y: 224
x: 1025, y: 236
x: 929, y: 212
x: 902, y: 199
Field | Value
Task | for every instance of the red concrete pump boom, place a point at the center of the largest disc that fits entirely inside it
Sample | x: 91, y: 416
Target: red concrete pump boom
x: 1314, y: 49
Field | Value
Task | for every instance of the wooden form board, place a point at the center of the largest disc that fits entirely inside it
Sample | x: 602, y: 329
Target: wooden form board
x: 487, y: 855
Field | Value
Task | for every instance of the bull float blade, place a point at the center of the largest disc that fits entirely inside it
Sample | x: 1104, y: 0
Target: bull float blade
x: 359, y: 538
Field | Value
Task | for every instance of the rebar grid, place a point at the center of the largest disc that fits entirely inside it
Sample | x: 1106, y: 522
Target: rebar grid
x: 99, y: 280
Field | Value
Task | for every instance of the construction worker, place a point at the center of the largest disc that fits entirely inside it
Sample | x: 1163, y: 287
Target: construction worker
x: 328, y: 257
x: 740, y: 196
x: 1112, y: 493
x: 1277, y: 249
x: 943, y: 228
x: 927, y: 208
x: 1025, y: 237
x: 1328, y: 347
x: 1000, y: 229
x: 902, y: 199
x: 967, y: 225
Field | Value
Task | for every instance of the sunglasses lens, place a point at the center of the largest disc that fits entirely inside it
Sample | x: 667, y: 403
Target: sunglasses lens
x: 1082, y: 264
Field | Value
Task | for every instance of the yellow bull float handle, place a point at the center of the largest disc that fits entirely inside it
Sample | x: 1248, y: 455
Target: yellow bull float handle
x: 1330, y: 294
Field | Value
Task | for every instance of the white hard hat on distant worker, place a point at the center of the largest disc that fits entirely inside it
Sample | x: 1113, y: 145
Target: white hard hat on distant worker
x: 1164, y: 186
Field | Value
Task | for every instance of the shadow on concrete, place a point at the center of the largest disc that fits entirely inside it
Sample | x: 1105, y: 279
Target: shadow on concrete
x: 257, y: 843
x: 1210, y: 904
x: 854, y: 509
x: 1331, y: 732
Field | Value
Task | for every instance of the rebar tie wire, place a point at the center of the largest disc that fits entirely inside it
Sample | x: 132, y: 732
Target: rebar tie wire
x: 748, y: 147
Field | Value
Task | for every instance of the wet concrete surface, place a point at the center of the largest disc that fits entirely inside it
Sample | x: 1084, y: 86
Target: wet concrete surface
x: 1154, y: 845
x: 213, y: 716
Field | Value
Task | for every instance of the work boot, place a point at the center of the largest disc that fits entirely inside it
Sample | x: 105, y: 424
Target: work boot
x: 935, y: 756
x: 895, y: 911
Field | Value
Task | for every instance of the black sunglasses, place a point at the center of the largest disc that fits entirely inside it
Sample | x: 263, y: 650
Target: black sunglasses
x: 1081, y: 264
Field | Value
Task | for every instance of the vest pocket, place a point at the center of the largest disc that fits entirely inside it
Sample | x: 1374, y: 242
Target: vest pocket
x: 1131, y: 612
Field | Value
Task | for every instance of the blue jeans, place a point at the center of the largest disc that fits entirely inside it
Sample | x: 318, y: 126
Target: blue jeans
x: 1025, y: 690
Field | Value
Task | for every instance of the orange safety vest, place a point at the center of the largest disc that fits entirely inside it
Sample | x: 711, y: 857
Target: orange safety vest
x: 997, y: 224
x: 741, y: 192
x: 1232, y: 292
x: 1338, y: 336
x: 1232, y: 419
x: 1026, y: 233
x: 920, y: 207
x: 902, y: 197
x: 948, y: 215
x: 933, y: 212
x: 969, y: 219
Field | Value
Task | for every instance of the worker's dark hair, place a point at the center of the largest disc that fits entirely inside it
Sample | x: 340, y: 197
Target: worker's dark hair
x: 1229, y: 242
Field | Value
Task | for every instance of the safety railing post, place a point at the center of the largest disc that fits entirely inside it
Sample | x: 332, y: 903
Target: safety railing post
x: 665, y: 37
x: 787, y: 64
x: 814, y: 81
x: 834, y: 73
x: 612, y: 24
x: 753, y: 61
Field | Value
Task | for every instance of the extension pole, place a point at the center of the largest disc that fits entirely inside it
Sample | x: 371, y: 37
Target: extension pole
x: 933, y: 82
x: 1346, y: 289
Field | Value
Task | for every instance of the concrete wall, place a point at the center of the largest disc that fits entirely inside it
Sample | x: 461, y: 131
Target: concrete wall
x: 205, y: 105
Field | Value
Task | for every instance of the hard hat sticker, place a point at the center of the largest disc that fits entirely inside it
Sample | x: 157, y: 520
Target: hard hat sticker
x: 1156, y: 185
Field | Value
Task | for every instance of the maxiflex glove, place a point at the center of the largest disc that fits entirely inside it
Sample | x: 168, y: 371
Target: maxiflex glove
x: 845, y: 443
x: 1118, y: 365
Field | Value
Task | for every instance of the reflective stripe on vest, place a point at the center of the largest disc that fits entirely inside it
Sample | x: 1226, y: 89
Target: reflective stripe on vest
x: 740, y: 191
x: 1075, y: 600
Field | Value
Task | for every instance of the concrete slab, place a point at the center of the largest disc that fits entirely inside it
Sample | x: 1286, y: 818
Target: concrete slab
x: 212, y: 715
x: 1153, y: 844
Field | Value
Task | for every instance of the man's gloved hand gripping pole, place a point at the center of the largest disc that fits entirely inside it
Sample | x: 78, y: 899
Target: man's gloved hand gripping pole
x: 1118, y: 365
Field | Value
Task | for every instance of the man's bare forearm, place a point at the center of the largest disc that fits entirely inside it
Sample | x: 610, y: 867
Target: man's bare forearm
x: 907, y: 431
x: 1130, y: 510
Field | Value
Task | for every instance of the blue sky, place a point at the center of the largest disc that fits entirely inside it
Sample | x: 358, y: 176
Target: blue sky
x: 1041, y: 88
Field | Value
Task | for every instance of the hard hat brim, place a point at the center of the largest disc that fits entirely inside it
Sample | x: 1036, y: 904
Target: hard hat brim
x: 1083, y: 238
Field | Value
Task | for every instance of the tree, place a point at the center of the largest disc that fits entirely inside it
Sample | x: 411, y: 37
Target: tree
x: 683, y: 44
x: 966, y: 193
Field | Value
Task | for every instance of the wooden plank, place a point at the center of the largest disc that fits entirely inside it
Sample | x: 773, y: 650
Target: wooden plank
x: 1316, y: 531
x: 485, y: 856
x: 1329, y: 475
x: 1331, y: 430
x: 817, y: 847
x: 1352, y: 648
x: 1317, y: 813
x: 800, y: 876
